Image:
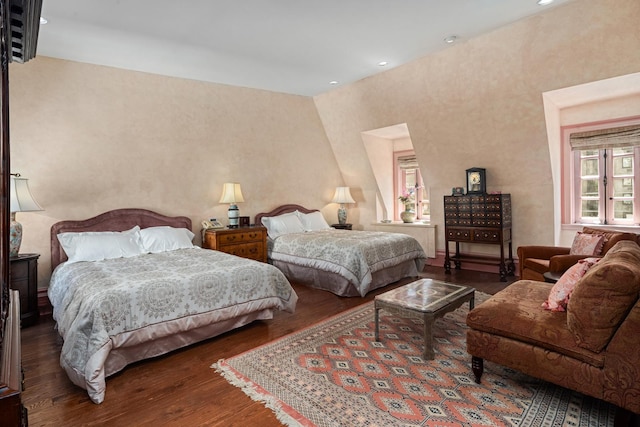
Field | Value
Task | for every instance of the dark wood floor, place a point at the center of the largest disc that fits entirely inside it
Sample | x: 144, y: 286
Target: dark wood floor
x: 180, y: 388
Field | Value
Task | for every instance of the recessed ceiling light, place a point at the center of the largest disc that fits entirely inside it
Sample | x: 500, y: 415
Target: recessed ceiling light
x: 333, y: 82
x: 382, y: 63
x: 43, y: 20
x: 544, y: 2
x: 451, y: 39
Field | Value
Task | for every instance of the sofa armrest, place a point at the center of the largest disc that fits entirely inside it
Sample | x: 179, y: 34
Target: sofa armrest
x: 561, y: 263
x: 540, y: 252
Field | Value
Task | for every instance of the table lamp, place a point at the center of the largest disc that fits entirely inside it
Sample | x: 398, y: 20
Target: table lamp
x: 21, y: 201
x: 232, y: 194
x: 342, y: 196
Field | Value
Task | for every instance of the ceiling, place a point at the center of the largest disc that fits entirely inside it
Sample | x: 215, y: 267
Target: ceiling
x: 290, y: 46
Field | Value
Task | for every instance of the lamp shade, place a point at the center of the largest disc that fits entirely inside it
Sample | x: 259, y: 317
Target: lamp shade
x: 21, y: 201
x: 21, y: 198
x: 343, y: 195
x: 231, y: 193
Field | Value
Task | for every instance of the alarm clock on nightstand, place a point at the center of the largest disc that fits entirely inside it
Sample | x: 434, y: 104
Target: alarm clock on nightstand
x: 476, y: 181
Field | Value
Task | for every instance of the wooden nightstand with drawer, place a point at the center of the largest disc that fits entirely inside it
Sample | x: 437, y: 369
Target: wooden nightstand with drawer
x: 23, y: 276
x: 246, y: 242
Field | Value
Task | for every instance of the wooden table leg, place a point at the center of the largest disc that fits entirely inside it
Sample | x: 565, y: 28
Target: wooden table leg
x: 428, y: 354
x: 447, y: 258
x: 376, y: 319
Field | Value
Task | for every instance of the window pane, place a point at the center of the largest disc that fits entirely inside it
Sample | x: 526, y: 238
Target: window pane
x: 623, y: 165
x: 426, y: 210
x: 623, y: 187
x: 621, y: 151
x: 410, y: 179
x: 589, y: 167
x: 589, y: 209
x: 623, y: 209
x: 589, y: 188
x: 587, y: 153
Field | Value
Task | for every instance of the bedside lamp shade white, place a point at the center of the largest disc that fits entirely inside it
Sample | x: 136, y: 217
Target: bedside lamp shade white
x: 232, y: 194
x: 342, y: 196
x: 21, y: 201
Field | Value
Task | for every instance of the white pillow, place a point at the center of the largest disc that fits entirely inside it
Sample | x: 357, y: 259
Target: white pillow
x: 99, y: 245
x: 165, y: 238
x: 313, y: 221
x: 283, y: 224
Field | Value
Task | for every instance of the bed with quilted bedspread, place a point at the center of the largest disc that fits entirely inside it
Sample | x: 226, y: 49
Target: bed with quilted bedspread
x: 345, y: 262
x: 112, y: 312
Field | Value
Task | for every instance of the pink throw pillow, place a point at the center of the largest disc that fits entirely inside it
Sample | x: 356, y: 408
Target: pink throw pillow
x: 561, y: 291
x: 587, y: 244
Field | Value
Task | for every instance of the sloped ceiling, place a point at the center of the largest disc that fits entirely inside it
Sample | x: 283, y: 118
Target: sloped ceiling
x: 288, y: 46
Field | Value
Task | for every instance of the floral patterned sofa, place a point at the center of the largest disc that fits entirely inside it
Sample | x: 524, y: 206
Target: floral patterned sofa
x: 592, y: 347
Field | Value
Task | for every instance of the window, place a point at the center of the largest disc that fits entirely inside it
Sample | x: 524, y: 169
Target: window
x: 606, y: 175
x: 410, y: 183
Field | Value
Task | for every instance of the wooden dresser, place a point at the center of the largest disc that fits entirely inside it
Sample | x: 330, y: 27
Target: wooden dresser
x: 12, y: 411
x: 479, y: 219
x: 246, y: 242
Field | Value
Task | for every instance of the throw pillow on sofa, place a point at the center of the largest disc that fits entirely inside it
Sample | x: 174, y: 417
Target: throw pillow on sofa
x: 587, y: 244
x: 562, y: 289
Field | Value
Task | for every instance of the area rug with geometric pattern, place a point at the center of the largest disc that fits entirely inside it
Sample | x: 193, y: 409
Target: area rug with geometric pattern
x: 334, y: 373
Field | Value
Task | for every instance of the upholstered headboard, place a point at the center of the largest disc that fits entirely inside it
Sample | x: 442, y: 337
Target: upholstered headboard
x: 282, y: 210
x: 116, y: 220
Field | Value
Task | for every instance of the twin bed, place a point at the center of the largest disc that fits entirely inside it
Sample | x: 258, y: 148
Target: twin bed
x: 129, y: 285
x: 347, y: 263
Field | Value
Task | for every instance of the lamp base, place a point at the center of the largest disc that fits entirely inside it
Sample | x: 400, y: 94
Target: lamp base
x: 342, y: 215
x: 234, y: 216
x: 15, y: 236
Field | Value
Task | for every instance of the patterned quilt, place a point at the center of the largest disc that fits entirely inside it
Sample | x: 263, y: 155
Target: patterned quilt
x: 354, y: 255
x: 101, y: 305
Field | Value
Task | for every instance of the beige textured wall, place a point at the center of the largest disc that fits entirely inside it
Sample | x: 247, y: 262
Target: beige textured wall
x: 93, y: 138
x: 479, y: 103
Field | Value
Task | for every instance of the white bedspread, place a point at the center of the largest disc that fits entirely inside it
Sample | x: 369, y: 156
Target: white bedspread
x: 355, y: 255
x: 99, y: 306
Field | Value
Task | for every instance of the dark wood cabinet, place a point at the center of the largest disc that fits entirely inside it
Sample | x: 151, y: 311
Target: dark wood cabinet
x: 480, y: 219
x: 246, y: 242
x: 23, y: 277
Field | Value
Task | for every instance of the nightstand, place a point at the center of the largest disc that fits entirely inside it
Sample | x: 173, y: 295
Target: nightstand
x: 23, y: 277
x: 246, y: 242
x: 342, y: 226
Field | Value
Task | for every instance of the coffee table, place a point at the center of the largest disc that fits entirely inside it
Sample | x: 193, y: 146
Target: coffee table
x: 424, y: 299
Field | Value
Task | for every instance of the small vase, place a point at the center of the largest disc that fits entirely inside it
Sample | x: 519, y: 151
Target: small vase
x: 408, y: 216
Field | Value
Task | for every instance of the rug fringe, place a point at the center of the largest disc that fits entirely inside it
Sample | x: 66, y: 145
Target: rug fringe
x: 252, y: 390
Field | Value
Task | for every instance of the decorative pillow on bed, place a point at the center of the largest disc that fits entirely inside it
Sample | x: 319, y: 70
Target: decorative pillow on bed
x: 165, y: 238
x: 313, y: 221
x: 283, y: 224
x: 99, y: 245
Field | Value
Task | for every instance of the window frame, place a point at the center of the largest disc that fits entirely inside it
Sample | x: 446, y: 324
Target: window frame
x: 399, y: 187
x: 572, y: 179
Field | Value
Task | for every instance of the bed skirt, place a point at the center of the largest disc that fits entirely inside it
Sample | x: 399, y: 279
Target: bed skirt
x: 335, y: 283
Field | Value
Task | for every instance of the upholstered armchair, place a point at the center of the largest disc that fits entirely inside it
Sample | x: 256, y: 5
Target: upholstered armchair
x: 534, y: 261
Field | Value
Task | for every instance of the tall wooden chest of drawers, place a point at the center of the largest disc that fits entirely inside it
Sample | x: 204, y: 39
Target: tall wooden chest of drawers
x: 479, y: 219
x: 246, y: 242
